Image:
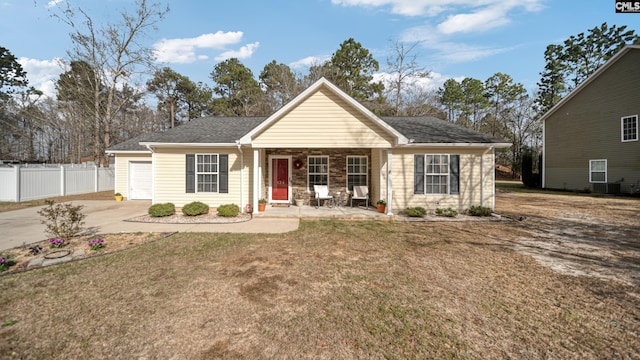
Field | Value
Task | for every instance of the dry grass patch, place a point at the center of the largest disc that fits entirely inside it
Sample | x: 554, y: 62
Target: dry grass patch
x: 329, y: 290
x: 10, y: 206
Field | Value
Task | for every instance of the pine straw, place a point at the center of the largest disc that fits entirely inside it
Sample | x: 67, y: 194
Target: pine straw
x: 329, y: 290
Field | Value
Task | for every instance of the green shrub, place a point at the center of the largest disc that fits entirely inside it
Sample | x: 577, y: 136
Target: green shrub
x: 228, y: 210
x: 62, y: 220
x: 416, y: 211
x: 160, y: 210
x: 477, y: 210
x: 195, y: 208
x: 448, y: 212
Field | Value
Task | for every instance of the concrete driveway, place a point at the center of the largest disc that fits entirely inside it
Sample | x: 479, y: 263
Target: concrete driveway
x: 22, y: 227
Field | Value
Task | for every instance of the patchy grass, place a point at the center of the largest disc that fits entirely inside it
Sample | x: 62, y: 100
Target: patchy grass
x: 10, y: 206
x: 330, y: 290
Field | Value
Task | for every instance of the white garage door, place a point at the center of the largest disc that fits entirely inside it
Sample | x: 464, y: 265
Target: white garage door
x: 140, y: 180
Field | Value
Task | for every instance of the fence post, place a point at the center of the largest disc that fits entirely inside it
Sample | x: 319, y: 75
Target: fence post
x: 17, y: 189
x: 95, y: 176
x: 62, y: 181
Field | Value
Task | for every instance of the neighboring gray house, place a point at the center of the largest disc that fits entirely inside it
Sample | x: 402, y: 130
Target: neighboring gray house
x: 591, y: 135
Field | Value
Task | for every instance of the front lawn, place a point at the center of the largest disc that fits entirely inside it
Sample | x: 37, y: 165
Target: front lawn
x: 329, y: 290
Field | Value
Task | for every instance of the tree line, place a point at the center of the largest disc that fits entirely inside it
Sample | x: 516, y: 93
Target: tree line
x: 103, y: 96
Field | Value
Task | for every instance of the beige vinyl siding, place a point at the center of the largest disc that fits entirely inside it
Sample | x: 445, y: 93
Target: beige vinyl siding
x: 122, y: 161
x: 378, y: 187
x: 170, y: 176
x: 470, y: 180
x: 588, y: 127
x: 324, y: 120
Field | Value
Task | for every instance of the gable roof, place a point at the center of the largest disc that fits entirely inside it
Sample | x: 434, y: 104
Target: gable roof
x: 590, y: 79
x: 431, y: 130
x: 323, y: 83
x: 228, y: 131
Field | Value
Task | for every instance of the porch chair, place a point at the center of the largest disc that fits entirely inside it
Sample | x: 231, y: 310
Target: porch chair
x: 322, y: 193
x: 360, y: 192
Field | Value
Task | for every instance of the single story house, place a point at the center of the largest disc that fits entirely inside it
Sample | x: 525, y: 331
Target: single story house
x: 322, y: 137
x: 591, y: 135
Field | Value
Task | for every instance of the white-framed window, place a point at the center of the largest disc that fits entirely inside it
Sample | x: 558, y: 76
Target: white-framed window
x: 207, y: 173
x: 357, y: 171
x: 629, y: 128
x: 436, y: 174
x: 318, y: 167
x: 598, y: 171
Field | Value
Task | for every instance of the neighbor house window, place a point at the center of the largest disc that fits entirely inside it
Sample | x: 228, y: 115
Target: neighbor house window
x: 436, y: 174
x: 598, y: 171
x: 318, y: 171
x: 357, y: 171
x: 207, y: 172
x: 629, y: 126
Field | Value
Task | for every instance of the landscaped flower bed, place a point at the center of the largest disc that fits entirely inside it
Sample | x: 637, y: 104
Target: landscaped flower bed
x: 18, y: 259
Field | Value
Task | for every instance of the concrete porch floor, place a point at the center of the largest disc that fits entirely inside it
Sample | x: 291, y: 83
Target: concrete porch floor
x: 322, y: 212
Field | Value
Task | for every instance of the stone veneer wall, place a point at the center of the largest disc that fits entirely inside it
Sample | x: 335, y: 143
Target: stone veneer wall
x: 337, y: 169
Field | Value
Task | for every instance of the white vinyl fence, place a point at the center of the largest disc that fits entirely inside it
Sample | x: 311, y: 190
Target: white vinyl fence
x: 21, y: 183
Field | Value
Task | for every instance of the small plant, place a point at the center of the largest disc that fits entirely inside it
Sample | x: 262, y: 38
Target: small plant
x: 35, y: 249
x: 160, y: 210
x: 5, y: 262
x: 381, y: 202
x: 117, y: 194
x: 478, y: 210
x: 9, y: 323
x: 262, y: 201
x: 448, y: 212
x: 416, y: 211
x: 297, y: 193
x: 96, y: 244
x: 62, y: 220
x: 56, y: 243
x: 228, y: 210
x: 195, y: 208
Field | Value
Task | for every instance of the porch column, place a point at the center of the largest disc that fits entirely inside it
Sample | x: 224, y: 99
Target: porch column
x: 389, y: 182
x: 256, y: 178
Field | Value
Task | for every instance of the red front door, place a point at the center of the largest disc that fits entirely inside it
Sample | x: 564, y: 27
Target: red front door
x: 280, y: 179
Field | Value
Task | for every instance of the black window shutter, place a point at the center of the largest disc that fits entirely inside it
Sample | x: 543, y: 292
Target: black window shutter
x: 418, y: 174
x: 190, y: 180
x: 224, y: 173
x: 454, y: 174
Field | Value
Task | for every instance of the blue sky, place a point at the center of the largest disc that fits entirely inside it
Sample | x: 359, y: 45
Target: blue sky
x: 456, y: 38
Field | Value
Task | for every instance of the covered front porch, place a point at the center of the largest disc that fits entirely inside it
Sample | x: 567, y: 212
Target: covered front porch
x: 286, y: 176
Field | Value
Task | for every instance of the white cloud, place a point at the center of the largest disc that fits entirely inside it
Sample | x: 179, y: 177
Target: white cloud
x: 242, y: 53
x: 464, y: 15
x: 183, y: 51
x: 43, y: 74
x: 308, y: 62
x: 431, y: 83
x: 53, y: 3
x: 448, y: 51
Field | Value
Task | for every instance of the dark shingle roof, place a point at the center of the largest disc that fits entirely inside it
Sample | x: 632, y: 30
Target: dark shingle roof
x: 430, y: 130
x: 131, y: 144
x: 212, y: 130
x: 226, y: 130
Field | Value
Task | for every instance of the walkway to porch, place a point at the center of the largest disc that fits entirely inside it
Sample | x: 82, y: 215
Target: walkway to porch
x: 323, y: 212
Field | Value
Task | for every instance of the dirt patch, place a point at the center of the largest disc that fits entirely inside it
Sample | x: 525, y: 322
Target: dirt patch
x: 578, y: 235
